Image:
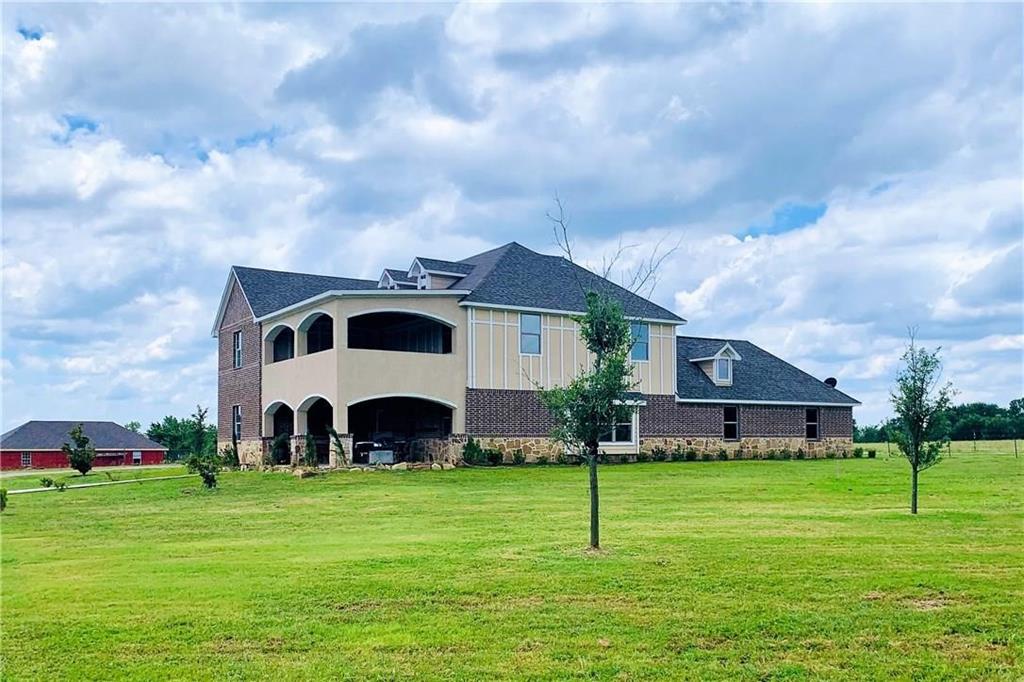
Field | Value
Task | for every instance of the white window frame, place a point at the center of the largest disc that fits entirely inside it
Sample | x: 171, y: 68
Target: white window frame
x: 633, y: 424
x: 728, y: 371
x: 539, y: 334
x: 637, y: 341
x: 26, y: 460
x: 726, y: 421
x: 136, y: 457
x: 236, y: 421
x: 236, y: 349
x: 816, y: 422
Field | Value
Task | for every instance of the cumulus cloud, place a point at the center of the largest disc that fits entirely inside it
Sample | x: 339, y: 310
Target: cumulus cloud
x: 832, y: 173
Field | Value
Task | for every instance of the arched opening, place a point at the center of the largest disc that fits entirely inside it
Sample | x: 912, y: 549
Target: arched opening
x: 280, y: 344
x: 316, y: 418
x: 399, y: 331
x: 317, y: 333
x: 279, y: 425
x: 395, y: 429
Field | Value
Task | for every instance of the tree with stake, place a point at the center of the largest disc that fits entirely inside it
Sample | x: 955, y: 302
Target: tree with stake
x: 595, y: 399
x: 82, y: 454
x: 919, y: 402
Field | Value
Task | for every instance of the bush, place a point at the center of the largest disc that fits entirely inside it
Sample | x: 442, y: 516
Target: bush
x: 691, y: 455
x: 542, y: 460
x: 493, y: 457
x: 61, y: 486
x: 723, y: 454
x: 830, y: 454
x: 3, y: 499
x: 677, y: 453
x: 643, y: 456
x: 871, y: 454
x: 472, y: 453
x: 309, y: 453
x: 771, y: 454
x: 518, y: 457
x: 659, y: 454
x: 46, y: 482
x: 800, y: 454
x: 858, y: 452
x: 785, y: 453
x: 280, y: 451
x: 339, y: 447
x: 207, y: 466
x: 229, y: 456
x: 562, y: 458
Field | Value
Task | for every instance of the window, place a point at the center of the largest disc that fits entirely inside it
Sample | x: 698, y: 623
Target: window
x: 529, y: 334
x: 237, y: 352
x: 137, y: 457
x: 26, y: 460
x: 641, y: 334
x: 236, y: 420
x: 812, y: 424
x: 731, y: 422
x: 620, y: 433
x: 723, y: 371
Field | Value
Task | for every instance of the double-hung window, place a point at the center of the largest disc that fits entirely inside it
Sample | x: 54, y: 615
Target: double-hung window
x: 723, y: 371
x: 137, y: 457
x: 731, y: 422
x: 236, y: 345
x: 529, y: 334
x: 236, y: 420
x: 812, y: 430
x: 621, y: 433
x: 641, y: 334
x: 26, y: 460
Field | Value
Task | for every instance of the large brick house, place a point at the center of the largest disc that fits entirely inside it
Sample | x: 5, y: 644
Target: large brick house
x: 415, y: 362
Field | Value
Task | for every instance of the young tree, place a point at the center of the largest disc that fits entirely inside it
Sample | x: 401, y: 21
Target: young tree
x: 134, y: 426
x: 594, y: 400
x: 82, y: 454
x: 199, y: 430
x: 919, y: 403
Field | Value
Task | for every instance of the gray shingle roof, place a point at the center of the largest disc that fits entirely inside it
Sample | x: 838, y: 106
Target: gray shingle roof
x: 515, y: 275
x: 400, y: 276
x: 758, y: 376
x: 445, y: 265
x: 51, y: 435
x: 270, y: 290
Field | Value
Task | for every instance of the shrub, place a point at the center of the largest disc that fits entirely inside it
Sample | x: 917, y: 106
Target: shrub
x: 691, y: 455
x: 472, y: 453
x: 659, y: 454
x: 339, y: 447
x: 46, y: 482
x: 643, y: 456
x: 706, y: 456
x: 280, y: 451
x: 493, y: 457
x: 309, y: 452
x: 562, y: 458
x: 542, y: 460
x: 771, y: 454
x: 723, y: 454
x: 518, y: 457
x: 785, y: 453
x: 830, y: 454
x: 60, y: 486
x: 3, y: 499
x: 858, y: 452
x: 800, y: 454
x: 207, y: 466
x: 677, y: 453
x: 229, y: 456
x: 871, y: 454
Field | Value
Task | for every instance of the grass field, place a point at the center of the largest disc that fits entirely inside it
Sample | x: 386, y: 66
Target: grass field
x: 19, y: 479
x: 738, y: 570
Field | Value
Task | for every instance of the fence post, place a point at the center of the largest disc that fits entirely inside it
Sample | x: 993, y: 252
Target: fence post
x: 1015, y: 445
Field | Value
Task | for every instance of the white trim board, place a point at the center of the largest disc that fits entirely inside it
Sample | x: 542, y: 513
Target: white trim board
x: 360, y: 293
x: 727, y: 401
x: 554, y: 311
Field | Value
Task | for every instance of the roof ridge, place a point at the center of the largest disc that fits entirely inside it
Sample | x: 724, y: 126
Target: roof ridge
x: 304, y: 274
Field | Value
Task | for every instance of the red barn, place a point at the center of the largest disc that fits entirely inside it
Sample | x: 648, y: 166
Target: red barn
x: 37, y: 445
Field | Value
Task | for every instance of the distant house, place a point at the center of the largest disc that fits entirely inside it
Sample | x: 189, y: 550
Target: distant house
x: 424, y: 357
x: 37, y: 444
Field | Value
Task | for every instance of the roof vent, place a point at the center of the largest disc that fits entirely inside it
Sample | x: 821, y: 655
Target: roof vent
x: 831, y: 381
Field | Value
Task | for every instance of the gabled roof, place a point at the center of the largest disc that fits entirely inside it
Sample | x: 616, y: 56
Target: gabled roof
x: 400, y: 277
x: 51, y: 435
x: 513, y: 275
x: 270, y: 290
x: 443, y: 266
x: 758, y: 377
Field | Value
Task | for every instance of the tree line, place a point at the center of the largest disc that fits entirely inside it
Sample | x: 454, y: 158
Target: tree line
x: 181, y: 436
x: 969, y: 421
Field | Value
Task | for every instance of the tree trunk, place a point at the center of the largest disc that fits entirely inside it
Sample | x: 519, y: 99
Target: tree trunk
x: 595, y: 530
x: 913, y: 490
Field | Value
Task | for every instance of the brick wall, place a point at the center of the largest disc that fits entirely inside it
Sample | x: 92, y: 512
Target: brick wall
x: 239, y: 386
x: 499, y: 412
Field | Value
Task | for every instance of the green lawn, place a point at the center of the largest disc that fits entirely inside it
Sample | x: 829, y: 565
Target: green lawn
x: 739, y: 570
x: 20, y: 479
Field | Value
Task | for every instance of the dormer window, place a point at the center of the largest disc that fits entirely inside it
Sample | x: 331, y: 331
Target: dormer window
x: 723, y: 370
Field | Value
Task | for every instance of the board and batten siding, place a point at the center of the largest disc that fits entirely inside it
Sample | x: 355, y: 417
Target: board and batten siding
x: 495, y: 361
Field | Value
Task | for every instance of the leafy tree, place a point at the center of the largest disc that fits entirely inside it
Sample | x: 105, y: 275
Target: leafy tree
x: 919, y: 403
x: 179, y: 436
x: 592, y: 402
x: 134, y: 426
x: 82, y: 454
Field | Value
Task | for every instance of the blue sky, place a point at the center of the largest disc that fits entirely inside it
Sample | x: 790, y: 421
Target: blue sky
x: 834, y: 173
